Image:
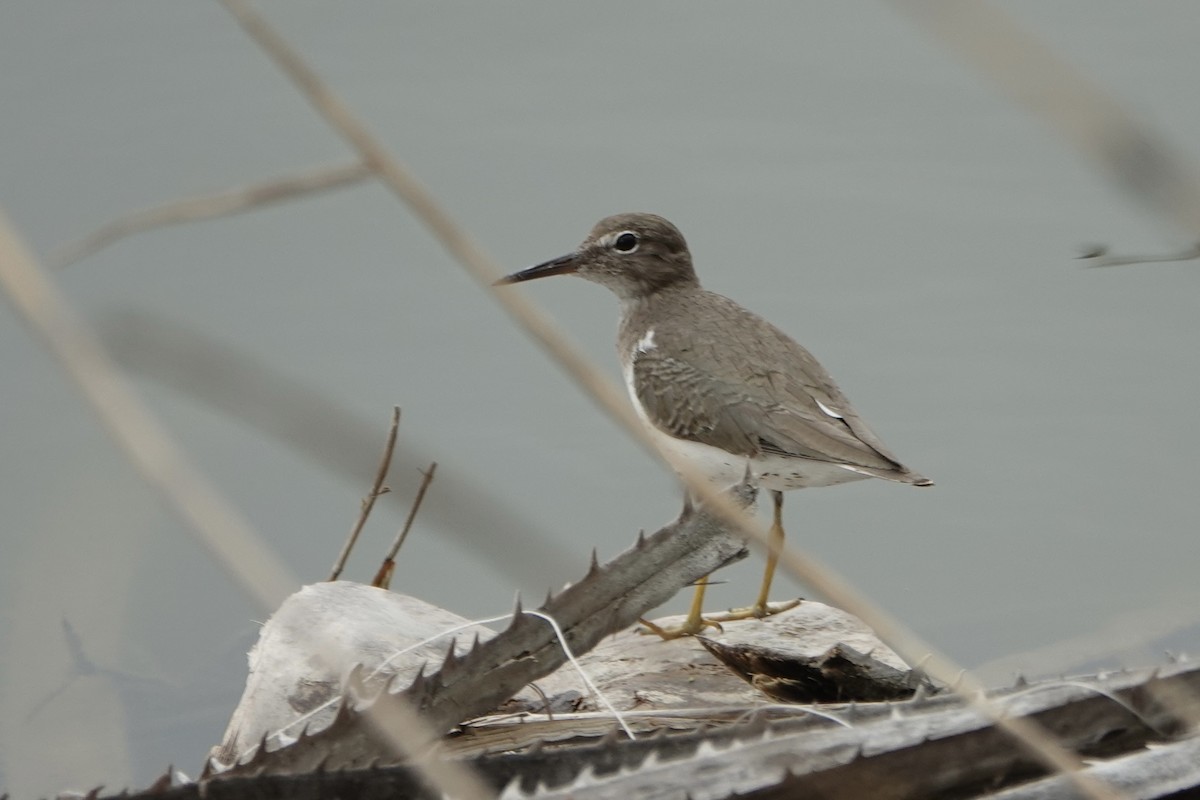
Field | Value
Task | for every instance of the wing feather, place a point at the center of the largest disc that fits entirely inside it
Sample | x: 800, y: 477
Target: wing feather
x: 773, y: 407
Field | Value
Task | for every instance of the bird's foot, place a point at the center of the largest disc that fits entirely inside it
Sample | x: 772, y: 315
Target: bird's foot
x: 690, y: 627
x: 756, y: 611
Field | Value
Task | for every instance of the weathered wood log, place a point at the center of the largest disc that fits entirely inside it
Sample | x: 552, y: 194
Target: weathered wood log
x: 608, y: 599
x: 928, y: 745
x: 1138, y: 730
x: 743, y: 664
x: 933, y: 747
x: 814, y: 654
x: 1159, y: 772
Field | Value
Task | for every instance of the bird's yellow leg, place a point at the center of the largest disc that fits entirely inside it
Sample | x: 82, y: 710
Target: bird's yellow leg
x: 764, y: 593
x: 761, y: 607
x: 695, y: 622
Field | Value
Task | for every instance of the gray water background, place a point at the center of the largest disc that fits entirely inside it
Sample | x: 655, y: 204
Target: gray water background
x: 833, y: 168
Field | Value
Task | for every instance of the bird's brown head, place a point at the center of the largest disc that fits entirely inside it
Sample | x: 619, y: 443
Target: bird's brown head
x: 634, y: 255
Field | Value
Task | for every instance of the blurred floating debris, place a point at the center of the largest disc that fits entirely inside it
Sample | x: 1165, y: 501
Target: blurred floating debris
x: 1098, y: 256
x: 701, y: 741
x: 728, y: 669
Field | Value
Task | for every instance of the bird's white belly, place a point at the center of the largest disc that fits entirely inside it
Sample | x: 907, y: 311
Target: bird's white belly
x: 724, y: 469
x: 778, y: 473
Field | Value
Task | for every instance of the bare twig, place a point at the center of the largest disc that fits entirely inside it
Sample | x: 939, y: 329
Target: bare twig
x: 208, y: 206
x: 257, y: 392
x: 1098, y: 256
x: 383, y: 578
x: 145, y: 442
x: 903, y: 640
x: 368, y: 502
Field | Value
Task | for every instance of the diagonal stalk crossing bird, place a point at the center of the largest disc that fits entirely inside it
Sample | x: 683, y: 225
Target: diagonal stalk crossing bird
x: 718, y: 386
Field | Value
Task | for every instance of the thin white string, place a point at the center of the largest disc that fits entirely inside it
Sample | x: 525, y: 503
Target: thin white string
x: 562, y: 640
x: 796, y: 711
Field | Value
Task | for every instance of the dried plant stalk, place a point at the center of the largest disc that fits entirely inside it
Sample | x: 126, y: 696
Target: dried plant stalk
x: 368, y: 502
x: 209, y: 206
x: 383, y: 578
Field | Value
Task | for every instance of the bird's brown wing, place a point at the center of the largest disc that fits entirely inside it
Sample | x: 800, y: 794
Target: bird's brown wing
x: 683, y: 399
x: 711, y: 371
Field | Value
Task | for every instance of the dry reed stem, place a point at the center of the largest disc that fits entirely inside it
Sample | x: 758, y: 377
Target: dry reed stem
x: 136, y: 431
x: 422, y: 747
x: 1096, y: 125
x: 383, y: 578
x: 904, y: 641
x: 209, y: 206
x: 368, y: 502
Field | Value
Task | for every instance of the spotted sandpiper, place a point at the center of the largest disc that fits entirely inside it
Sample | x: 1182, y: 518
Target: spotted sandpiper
x: 718, y: 386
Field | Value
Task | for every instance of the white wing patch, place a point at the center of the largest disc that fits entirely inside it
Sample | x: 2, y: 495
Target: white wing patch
x: 828, y: 411
x: 646, y: 343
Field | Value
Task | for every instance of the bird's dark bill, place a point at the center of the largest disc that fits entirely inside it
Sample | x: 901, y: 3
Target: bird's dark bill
x: 563, y: 265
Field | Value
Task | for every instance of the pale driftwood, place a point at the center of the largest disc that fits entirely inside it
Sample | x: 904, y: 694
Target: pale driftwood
x: 643, y: 673
x: 814, y: 654
x: 920, y: 748
x: 840, y: 674
x: 634, y: 672
x: 300, y: 665
x: 608, y: 599
x: 306, y: 652
x: 916, y: 749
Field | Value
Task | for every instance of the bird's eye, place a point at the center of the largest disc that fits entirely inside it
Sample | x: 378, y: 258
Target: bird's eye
x: 626, y: 243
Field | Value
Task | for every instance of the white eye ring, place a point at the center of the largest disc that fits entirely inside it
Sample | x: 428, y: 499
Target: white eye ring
x: 625, y: 242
